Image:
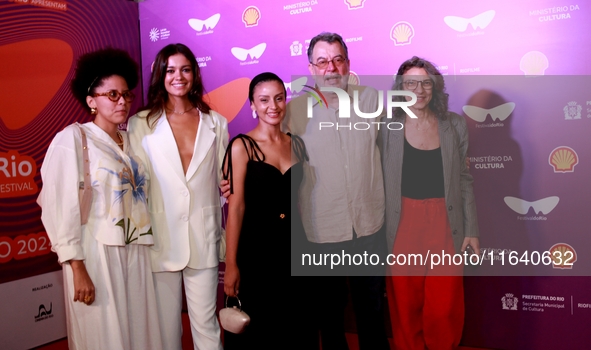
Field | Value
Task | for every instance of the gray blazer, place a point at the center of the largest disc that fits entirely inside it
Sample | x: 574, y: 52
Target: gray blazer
x: 459, y: 195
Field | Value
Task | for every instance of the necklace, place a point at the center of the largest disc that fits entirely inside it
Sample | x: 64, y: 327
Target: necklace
x: 425, y: 129
x: 179, y: 113
x: 120, y: 144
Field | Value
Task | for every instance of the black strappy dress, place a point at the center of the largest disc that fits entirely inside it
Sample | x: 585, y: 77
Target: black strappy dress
x: 271, y: 216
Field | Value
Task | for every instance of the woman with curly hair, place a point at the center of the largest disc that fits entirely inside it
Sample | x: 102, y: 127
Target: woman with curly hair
x: 103, y: 246
x: 429, y: 208
x: 183, y: 142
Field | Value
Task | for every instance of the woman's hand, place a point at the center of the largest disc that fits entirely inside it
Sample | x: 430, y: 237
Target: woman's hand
x: 472, y: 242
x: 231, y: 280
x: 83, y: 286
x: 225, y: 188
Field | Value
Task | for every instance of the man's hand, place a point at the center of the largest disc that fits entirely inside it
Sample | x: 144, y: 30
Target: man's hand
x: 225, y: 188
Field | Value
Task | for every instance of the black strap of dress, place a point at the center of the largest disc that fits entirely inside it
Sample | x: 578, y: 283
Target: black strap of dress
x: 254, y: 153
x: 299, y: 148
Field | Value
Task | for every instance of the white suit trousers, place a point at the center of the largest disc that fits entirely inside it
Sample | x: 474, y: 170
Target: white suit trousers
x: 201, y: 293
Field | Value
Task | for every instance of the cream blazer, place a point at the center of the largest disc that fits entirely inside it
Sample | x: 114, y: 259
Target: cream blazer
x: 184, y: 208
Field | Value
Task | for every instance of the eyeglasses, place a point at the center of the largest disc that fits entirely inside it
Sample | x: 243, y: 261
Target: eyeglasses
x: 413, y: 84
x: 115, y: 95
x: 336, y: 61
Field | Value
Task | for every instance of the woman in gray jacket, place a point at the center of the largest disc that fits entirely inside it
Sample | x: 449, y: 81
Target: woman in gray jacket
x: 430, y: 209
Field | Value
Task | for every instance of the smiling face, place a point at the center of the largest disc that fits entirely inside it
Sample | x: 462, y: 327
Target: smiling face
x: 179, y: 75
x: 269, y: 102
x: 331, y: 75
x: 109, y: 112
x: 424, y: 95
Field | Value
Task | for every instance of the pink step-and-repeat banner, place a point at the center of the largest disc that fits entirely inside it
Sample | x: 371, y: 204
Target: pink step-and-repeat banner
x: 516, y: 70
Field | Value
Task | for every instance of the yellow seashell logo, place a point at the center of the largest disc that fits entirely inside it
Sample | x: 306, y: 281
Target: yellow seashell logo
x: 533, y: 63
x: 251, y: 16
x: 353, y: 78
x: 563, y: 159
x: 563, y: 256
x: 402, y: 33
x: 354, y: 4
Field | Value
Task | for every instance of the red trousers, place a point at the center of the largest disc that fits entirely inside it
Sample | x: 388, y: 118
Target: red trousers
x: 426, y: 305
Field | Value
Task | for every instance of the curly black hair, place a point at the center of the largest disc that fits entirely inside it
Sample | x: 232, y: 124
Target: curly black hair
x: 93, y: 67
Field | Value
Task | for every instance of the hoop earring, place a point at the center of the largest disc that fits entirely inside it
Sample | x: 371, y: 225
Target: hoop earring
x: 93, y: 111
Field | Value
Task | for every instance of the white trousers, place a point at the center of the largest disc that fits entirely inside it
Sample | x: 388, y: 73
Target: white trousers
x: 123, y: 315
x: 201, y: 292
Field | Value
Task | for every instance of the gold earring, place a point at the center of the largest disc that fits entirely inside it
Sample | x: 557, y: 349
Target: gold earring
x: 93, y: 110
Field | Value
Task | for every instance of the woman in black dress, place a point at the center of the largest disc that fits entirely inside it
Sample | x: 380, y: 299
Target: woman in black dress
x: 262, y: 166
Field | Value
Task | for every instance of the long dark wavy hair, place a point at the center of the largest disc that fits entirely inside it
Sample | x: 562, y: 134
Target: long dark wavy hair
x: 440, y: 100
x: 157, y: 94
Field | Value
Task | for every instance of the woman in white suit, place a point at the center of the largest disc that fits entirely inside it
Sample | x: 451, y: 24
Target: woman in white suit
x: 183, y: 143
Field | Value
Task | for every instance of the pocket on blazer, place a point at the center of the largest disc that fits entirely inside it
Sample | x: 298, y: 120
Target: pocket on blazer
x: 212, y: 221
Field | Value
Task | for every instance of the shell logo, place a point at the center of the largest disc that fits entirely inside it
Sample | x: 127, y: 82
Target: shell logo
x: 402, y: 33
x: 354, y: 4
x: 353, y: 78
x: 563, y: 159
x: 251, y: 16
x: 533, y: 63
x: 563, y: 256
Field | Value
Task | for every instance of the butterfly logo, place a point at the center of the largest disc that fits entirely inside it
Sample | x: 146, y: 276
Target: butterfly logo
x: 297, y: 85
x: 255, y: 52
x: 544, y: 205
x: 209, y: 23
x: 460, y: 24
x: 500, y: 112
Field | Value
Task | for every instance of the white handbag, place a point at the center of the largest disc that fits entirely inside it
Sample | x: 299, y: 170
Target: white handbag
x: 233, y: 319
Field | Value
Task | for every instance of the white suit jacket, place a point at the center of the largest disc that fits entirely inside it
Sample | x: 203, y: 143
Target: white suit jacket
x: 184, y: 208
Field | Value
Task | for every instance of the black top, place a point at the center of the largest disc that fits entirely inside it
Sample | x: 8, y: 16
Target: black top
x: 422, y: 173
